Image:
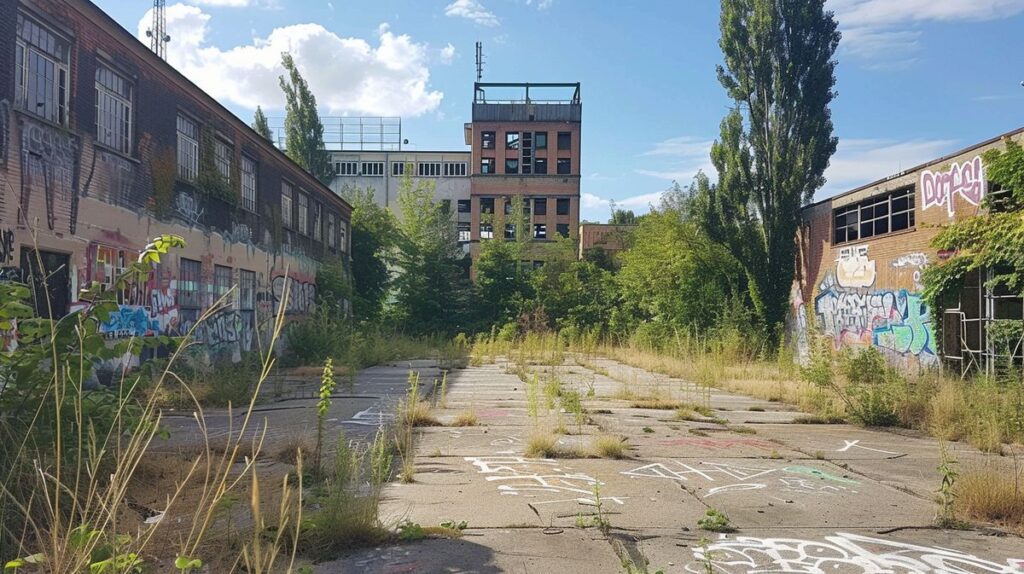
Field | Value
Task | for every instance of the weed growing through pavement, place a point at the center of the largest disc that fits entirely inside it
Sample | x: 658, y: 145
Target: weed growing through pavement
x: 715, y: 521
x: 610, y: 447
x: 322, y: 407
x: 945, y: 517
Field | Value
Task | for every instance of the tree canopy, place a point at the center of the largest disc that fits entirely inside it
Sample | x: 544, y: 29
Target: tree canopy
x: 303, y: 131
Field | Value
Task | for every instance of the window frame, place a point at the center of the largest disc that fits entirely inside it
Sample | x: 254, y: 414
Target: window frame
x: 874, y: 216
x: 511, y: 166
x: 454, y: 169
x: 318, y: 221
x: 567, y: 163
x: 223, y: 154
x: 332, y: 231
x: 398, y: 168
x: 26, y: 52
x: 568, y: 141
x: 372, y: 168
x: 346, y: 168
x: 488, y: 142
x: 540, y: 166
x: 464, y: 205
x: 122, y: 141
x: 540, y: 140
x: 221, y: 287
x: 488, y: 165
x: 540, y: 206
x: 190, y: 150
x: 484, y: 203
x: 428, y: 169
x: 562, y: 201
x: 249, y: 169
x: 513, y: 141
x: 562, y: 229
x: 464, y: 231
x: 287, y: 215
x: 302, y: 204
x: 540, y: 231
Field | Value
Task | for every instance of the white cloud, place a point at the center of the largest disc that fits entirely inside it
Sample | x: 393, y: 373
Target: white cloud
x: 861, y: 161
x: 224, y: 3
x: 471, y: 10
x: 541, y: 4
x: 679, y: 158
x: 883, y: 31
x: 448, y: 54
x: 591, y: 201
x: 348, y: 75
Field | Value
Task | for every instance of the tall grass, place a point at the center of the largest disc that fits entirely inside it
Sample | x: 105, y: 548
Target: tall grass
x: 64, y: 489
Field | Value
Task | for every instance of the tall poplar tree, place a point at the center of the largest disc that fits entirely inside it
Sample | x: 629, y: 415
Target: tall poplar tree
x: 776, y: 142
x: 259, y: 123
x: 303, y: 131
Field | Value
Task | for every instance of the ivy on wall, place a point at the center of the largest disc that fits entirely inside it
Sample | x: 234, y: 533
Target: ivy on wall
x: 210, y: 181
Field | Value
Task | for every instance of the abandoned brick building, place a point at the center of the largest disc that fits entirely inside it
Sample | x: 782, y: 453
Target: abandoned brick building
x: 861, y: 254
x: 105, y: 146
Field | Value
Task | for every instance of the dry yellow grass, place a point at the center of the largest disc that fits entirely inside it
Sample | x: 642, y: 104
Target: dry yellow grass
x: 545, y: 445
x: 993, y: 495
x: 465, y: 419
x: 610, y: 447
x: 658, y: 404
x: 417, y: 415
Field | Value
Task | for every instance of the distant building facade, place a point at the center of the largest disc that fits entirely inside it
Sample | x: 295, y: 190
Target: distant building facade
x: 608, y: 237
x: 104, y: 146
x: 860, y: 259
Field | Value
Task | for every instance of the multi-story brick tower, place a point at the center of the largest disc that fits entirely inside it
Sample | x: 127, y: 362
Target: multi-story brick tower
x: 525, y: 141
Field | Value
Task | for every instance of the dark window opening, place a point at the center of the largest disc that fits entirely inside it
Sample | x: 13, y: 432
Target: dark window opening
x: 540, y: 166
x: 564, y: 166
x: 540, y: 206
x: 486, y: 205
x: 874, y: 216
x: 562, y: 229
x: 487, y: 165
x: 487, y: 140
x: 562, y: 206
x: 564, y: 140
x: 510, y: 231
x: 540, y: 231
x: 541, y: 140
x: 464, y: 205
x: 511, y: 166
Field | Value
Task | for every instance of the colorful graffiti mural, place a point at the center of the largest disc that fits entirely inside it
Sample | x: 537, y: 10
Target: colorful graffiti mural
x: 940, y: 188
x: 853, y: 268
x: 895, y: 321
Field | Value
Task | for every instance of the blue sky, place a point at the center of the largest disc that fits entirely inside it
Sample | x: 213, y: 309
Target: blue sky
x: 916, y: 78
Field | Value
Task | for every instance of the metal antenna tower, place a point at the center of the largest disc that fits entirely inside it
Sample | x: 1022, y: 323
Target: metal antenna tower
x: 157, y: 32
x: 479, y: 61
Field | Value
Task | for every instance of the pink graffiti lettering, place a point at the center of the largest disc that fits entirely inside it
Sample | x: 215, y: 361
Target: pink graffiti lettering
x: 964, y: 179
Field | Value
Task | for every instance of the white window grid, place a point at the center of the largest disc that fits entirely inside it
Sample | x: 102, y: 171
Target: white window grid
x: 397, y: 168
x: 41, y: 77
x: 286, y: 204
x: 113, y: 110
x: 248, y: 183
x: 303, y: 214
x: 373, y: 168
x: 454, y: 168
x: 346, y: 167
x: 428, y: 169
x: 188, y: 148
x: 222, y: 158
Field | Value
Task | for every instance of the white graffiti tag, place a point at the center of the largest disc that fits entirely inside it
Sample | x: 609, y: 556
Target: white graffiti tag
x: 853, y: 268
x: 529, y: 476
x: 735, y: 478
x: 842, y: 552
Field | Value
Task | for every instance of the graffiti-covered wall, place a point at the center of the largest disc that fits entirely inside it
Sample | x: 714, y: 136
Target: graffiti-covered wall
x: 862, y: 255
x: 83, y: 191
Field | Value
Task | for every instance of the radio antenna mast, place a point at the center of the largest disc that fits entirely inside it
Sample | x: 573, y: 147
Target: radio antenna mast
x: 479, y: 61
x: 157, y: 32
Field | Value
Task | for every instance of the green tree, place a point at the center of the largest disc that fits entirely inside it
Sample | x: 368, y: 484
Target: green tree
x: 623, y: 217
x: 776, y: 143
x: 675, y: 278
x: 501, y: 282
x: 375, y: 236
x: 993, y: 239
x: 259, y: 124
x: 583, y: 297
x: 303, y: 131
x: 432, y: 289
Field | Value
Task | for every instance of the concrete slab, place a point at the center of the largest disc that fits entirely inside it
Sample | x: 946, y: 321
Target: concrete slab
x: 487, y: 552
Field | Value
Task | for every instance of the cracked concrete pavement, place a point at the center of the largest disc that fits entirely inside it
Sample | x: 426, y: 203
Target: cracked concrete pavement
x: 803, y: 498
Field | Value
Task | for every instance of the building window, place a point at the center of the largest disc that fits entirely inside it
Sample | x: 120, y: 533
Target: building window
x: 540, y: 231
x: 41, y: 78
x: 303, y: 214
x: 221, y: 281
x: 222, y: 158
x: 540, y: 140
x: 454, y: 168
x: 318, y: 221
x: 562, y: 206
x: 464, y: 205
x: 343, y: 235
x: 332, y: 231
x: 486, y: 205
x: 508, y: 207
x: 512, y: 140
x: 874, y: 216
x: 397, y: 168
x: 373, y: 168
x: 510, y: 231
x: 540, y: 166
x: 487, y: 140
x: 564, y: 166
x: 486, y: 231
x: 540, y: 206
x: 189, y: 275
x: 188, y: 148
x: 562, y: 229
x: 564, y: 140
x: 511, y: 165
x: 487, y: 165
x: 248, y: 183
x: 429, y: 169
x: 464, y: 234
x: 113, y: 110
x: 346, y: 168
x: 247, y: 298
x: 286, y: 205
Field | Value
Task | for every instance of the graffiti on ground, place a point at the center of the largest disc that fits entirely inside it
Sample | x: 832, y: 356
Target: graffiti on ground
x: 841, y: 552
x: 727, y: 477
x: 538, y: 478
x: 940, y: 188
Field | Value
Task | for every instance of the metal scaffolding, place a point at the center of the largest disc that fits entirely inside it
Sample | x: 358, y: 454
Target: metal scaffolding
x: 360, y: 133
x: 966, y: 329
